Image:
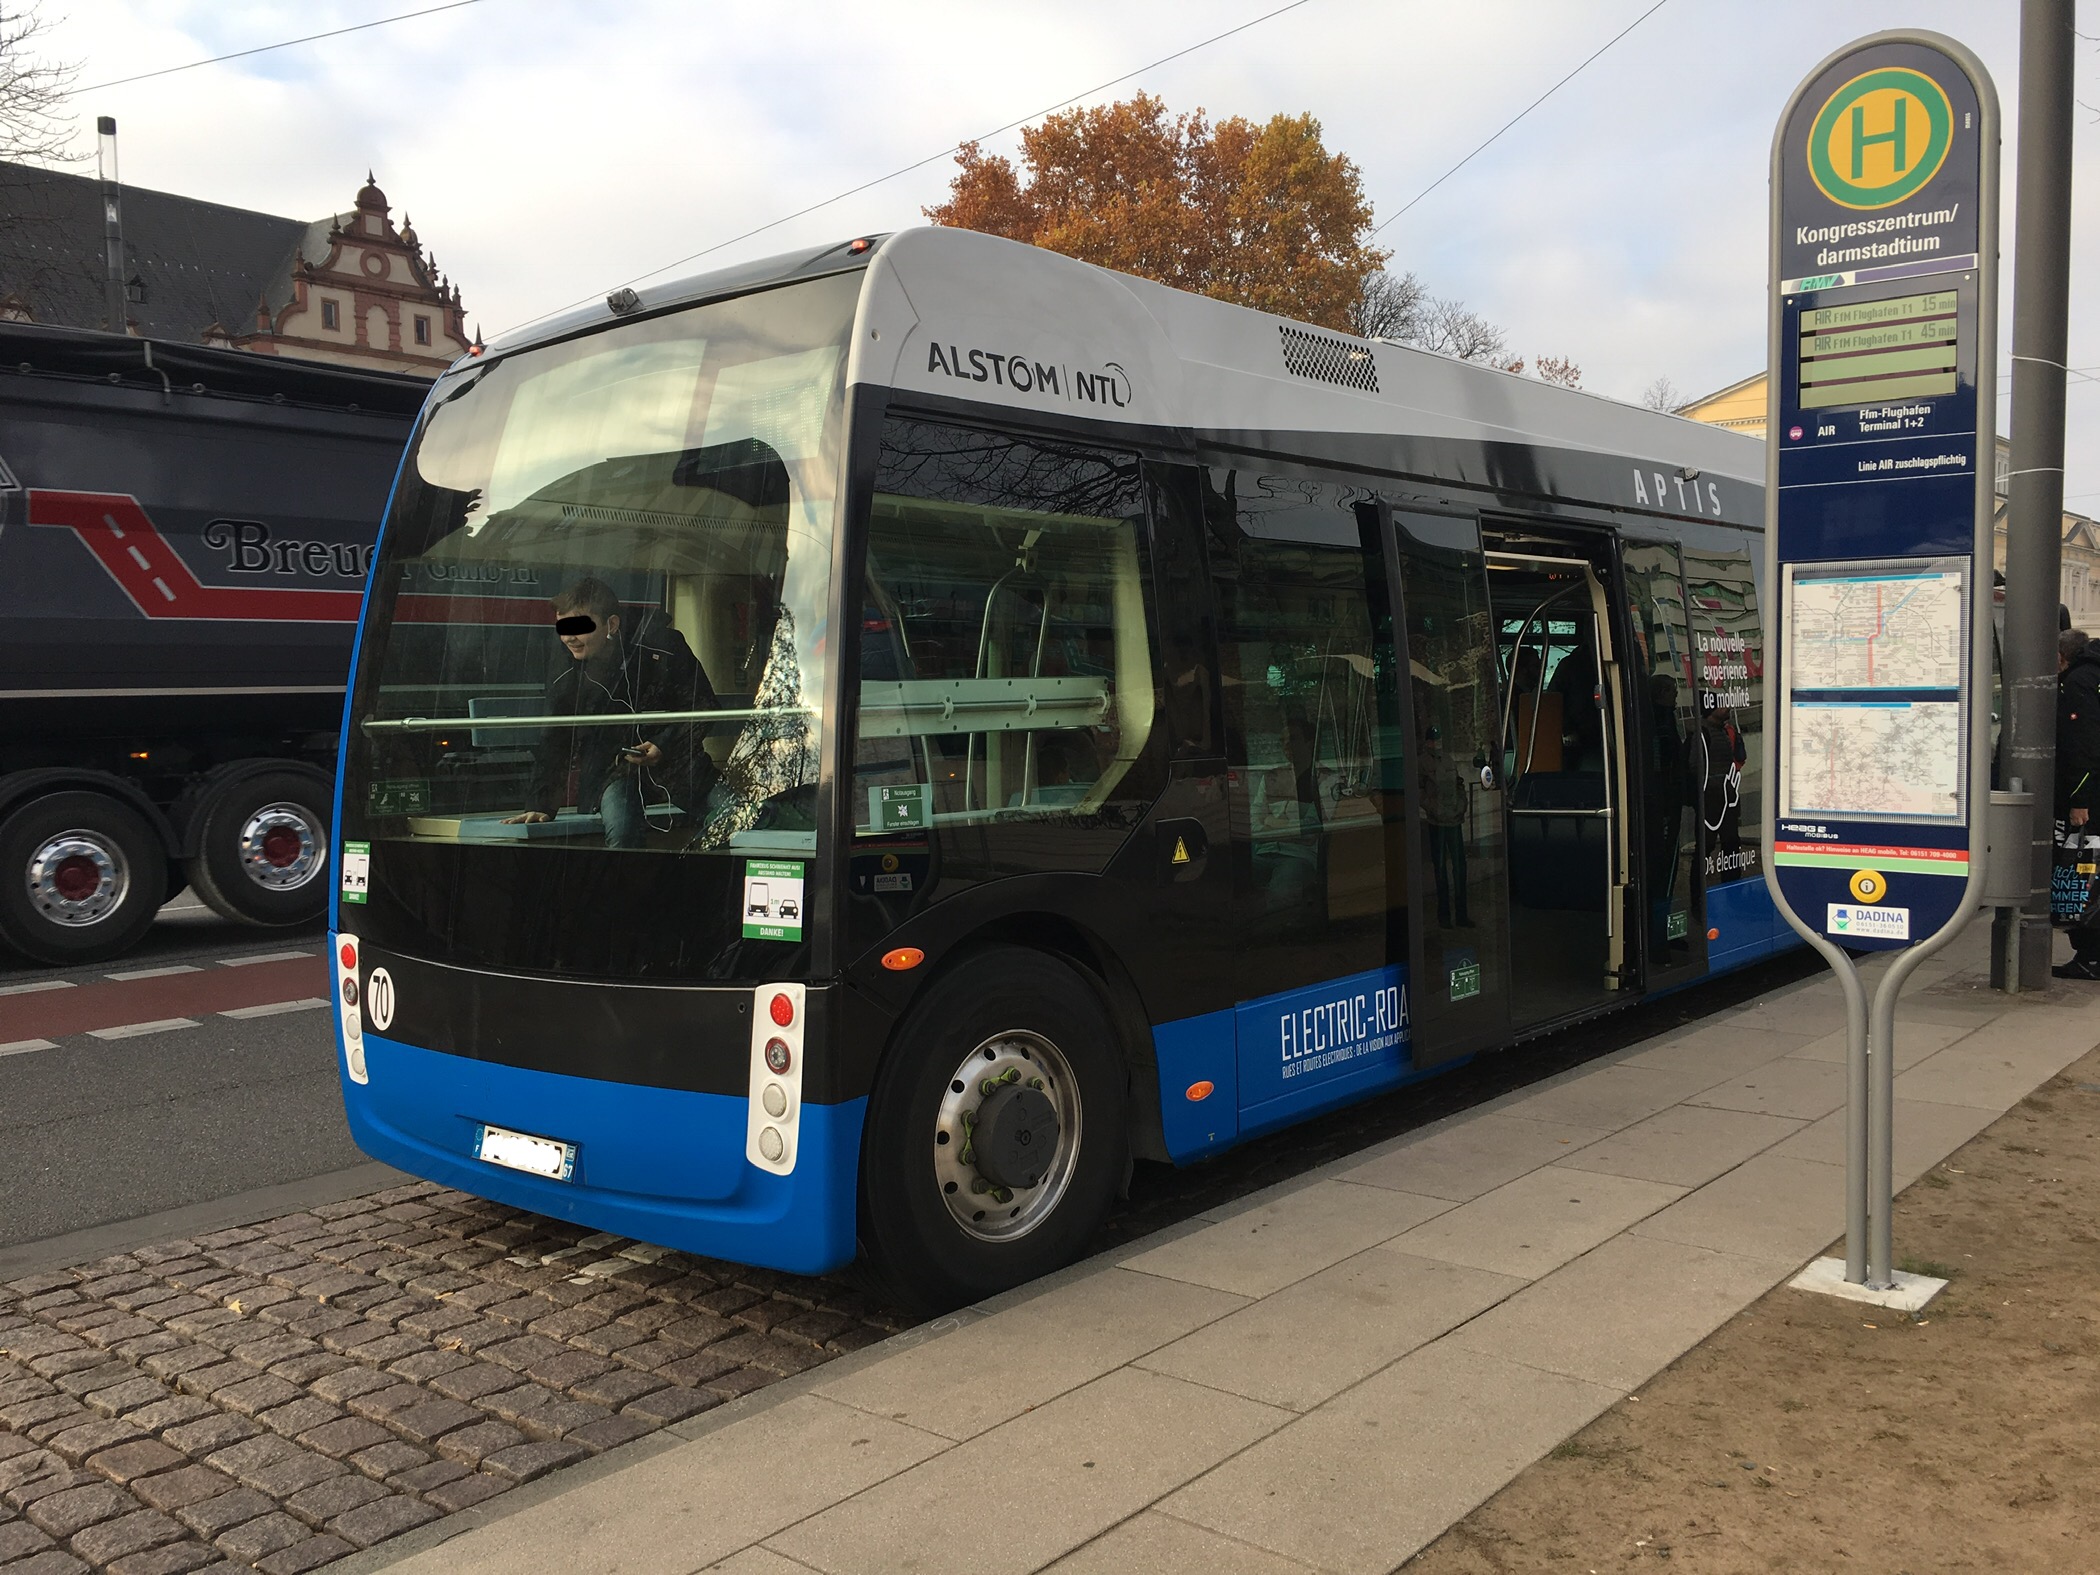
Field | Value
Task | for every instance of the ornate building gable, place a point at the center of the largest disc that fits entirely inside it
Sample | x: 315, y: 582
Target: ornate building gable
x: 359, y: 291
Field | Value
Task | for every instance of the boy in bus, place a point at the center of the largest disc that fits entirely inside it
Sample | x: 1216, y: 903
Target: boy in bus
x: 638, y: 777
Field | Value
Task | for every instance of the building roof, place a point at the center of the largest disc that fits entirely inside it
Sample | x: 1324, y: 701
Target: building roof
x: 1740, y: 386
x: 199, y: 262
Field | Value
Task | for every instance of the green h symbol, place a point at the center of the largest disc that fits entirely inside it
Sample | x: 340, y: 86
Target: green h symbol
x: 1893, y: 137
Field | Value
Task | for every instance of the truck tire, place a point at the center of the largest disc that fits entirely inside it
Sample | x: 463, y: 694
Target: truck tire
x: 262, y: 849
x: 81, y: 877
x: 961, y: 1194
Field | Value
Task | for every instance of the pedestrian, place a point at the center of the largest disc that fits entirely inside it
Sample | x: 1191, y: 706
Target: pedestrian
x: 2078, y: 770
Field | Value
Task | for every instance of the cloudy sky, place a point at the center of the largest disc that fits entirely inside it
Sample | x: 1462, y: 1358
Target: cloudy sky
x: 550, y: 149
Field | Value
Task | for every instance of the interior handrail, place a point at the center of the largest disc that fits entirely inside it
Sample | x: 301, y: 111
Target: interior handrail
x: 440, y: 724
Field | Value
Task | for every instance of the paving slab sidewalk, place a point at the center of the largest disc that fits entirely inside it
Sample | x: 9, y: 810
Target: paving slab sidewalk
x: 1325, y: 1375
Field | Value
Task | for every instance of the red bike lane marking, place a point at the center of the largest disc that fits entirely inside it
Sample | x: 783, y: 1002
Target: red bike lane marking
x: 112, y: 1003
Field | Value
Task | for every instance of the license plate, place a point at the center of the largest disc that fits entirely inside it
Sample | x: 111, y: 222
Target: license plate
x: 521, y: 1151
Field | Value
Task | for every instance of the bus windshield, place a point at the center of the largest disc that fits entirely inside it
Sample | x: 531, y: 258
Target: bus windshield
x: 594, y: 657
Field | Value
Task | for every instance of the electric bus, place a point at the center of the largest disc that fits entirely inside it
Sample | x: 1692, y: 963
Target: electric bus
x: 848, y: 754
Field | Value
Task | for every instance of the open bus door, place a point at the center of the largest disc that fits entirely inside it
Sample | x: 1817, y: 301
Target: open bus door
x: 1572, y: 861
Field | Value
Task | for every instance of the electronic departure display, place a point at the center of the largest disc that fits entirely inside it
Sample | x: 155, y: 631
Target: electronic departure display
x: 1869, y: 352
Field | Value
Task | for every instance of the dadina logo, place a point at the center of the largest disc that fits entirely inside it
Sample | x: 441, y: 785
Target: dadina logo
x: 1880, y: 138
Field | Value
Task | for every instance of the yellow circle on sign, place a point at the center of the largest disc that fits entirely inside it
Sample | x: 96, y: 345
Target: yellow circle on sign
x: 889, y: 863
x: 1880, y: 138
x: 1869, y: 885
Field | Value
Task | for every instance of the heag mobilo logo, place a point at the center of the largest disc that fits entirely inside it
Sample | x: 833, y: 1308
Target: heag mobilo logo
x: 1106, y: 385
x: 1880, y: 138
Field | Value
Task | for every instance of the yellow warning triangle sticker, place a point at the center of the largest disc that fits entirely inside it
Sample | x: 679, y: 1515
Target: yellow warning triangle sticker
x: 1181, y: 851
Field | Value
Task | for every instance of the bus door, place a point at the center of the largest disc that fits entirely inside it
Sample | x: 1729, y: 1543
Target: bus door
x: 1309, y: 678
x: 1460, y: 834
x: 1665, y: 738
x: 1564, y: 764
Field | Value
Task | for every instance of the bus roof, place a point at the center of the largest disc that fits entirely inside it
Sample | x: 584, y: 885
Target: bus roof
x: 954, y: 314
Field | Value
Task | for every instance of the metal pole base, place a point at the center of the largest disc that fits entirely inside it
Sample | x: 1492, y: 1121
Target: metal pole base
x: 2005, y: 950
x: 2037, y: 951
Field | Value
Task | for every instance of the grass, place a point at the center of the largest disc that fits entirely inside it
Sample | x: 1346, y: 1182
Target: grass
x: 1931, y: 1267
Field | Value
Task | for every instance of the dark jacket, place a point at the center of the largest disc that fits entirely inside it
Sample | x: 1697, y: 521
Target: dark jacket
x: 2078, y: 733
x: 650, y: 668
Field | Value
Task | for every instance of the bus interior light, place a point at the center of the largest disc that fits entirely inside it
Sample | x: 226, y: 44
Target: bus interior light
x: 783, y: 1010
x: 903, y: 957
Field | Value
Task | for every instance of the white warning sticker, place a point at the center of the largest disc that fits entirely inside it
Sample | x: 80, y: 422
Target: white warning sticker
x: 772, y: 900
x: 357, y: 870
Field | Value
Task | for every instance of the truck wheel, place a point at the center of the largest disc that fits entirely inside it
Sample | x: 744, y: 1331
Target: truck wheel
x: 995, y: 1135
x: 262, y: 849
x: 81, y: 876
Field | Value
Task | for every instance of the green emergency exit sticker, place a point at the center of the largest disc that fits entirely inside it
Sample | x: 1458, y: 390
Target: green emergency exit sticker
x: 1680, y: 925
x: 398, y: 796
x: 772, y: 900
x: 1465, y: 982
x: 357, y: 870
x: 907, y: 808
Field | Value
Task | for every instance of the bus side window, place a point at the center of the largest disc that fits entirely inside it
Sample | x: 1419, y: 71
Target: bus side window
x: 1310, y: 684
x: 1007, y: 670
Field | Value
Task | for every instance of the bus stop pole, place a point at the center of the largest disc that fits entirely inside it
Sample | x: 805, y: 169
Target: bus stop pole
x: 1856, y: 1117
x: 2034, y: 510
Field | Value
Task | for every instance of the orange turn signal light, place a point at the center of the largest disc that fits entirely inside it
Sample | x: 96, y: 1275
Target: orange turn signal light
x: 1201, y: 1090
x: 902, y: 958
x: 1713, y: 935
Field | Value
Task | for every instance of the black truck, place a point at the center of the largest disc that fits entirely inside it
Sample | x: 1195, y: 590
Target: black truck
x: 184, y: 538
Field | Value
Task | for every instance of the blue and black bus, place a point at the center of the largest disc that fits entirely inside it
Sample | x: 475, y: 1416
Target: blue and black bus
x: 848, y: 754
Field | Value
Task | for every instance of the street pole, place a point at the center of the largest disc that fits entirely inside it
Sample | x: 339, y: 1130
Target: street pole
x: 2034, y: 511
x: 115, y: 314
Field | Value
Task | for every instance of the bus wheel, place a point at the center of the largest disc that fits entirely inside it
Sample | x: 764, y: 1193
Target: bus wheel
x: 995, y: 1134
x: 262, y: 849
x: 81, y: 876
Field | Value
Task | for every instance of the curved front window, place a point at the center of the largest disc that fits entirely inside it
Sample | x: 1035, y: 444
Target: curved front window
x: 588, y: 704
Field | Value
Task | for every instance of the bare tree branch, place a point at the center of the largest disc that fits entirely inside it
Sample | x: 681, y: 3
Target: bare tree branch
x: 1663, y: 395
x: 1390, y: 308
x: 34, y: 122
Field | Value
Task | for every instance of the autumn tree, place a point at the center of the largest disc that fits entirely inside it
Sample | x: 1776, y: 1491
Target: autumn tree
x: 1263, y: 216
x: 1558, y: 369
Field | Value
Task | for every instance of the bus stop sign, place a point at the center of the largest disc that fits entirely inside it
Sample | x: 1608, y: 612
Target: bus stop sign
x: 1878, y: 486
x: 1879, y: 490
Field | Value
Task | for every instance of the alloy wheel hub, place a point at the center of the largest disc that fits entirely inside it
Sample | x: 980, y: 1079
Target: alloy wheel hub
x: 77, y: 878
x: 1006, y: 1136
x: 281, y: 849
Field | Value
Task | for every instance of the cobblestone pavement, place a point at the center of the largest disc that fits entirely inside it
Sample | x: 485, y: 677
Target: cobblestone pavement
x: 280, y: 1395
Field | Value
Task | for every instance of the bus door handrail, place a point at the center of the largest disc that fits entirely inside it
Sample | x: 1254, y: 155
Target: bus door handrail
x: 1531, y: 743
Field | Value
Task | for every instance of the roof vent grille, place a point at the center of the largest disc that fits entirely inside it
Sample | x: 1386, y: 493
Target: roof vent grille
x: 1345, y: 362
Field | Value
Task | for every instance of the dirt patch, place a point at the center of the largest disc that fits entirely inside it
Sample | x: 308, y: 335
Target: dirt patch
x: 1817, y: 1434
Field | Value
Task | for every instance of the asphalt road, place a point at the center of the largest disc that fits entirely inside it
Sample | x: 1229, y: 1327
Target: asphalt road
x: 98, y: 1129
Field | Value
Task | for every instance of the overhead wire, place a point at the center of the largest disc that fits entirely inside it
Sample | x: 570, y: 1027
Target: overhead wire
x: 264, y: 49
x: 1520, y: 114
x: 931, y: 158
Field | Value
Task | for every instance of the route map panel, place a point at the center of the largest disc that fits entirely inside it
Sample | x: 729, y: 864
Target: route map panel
x: 1877, y: 631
